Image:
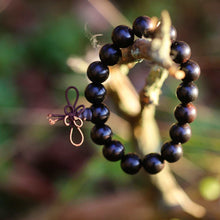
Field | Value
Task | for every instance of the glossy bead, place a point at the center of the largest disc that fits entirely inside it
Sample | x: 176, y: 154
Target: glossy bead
x: 109, y: 54
x: 153, y: 163
x: 131, y: 163
x: 95, y: 92
x: 180, y: 51
x: 192, y: 71
x: 113, y: 150
x: 122, y: 36
x: 180, y: 133
x: 101, y: 134
x: 86, y: 114
x: 171, y: 152
x: 185, y: 113
x: 187, y: 92
x: 97, y: 72
x: 143, y: 26
x: 100, y: 113
x: 173, y: 33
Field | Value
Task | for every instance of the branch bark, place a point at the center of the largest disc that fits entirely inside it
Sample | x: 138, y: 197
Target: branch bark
x: 147, y: 134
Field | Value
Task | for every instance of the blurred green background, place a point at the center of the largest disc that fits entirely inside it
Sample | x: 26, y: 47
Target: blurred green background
x: 41, y: 175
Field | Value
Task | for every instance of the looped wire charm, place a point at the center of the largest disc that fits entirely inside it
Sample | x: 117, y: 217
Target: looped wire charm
x: 71, y: 116
x: 78, y: 126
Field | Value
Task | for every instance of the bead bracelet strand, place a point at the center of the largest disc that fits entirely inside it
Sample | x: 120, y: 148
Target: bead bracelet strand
x: 98, y: 113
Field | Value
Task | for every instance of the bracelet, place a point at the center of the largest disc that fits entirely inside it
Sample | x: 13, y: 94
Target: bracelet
x: 98, y: 113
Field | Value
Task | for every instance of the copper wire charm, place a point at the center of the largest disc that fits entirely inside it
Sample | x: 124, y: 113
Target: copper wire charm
x: 71, y: 116
x: 78, y: 126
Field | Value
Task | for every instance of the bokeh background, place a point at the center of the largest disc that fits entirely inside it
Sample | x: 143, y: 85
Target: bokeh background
x: 41, y: 175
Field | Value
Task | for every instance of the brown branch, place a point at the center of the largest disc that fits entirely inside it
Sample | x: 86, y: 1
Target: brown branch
x: 156, y: 49
x: 147, y: 133
x: 174, y: 195
x: 128, y: 98
x: 148, y: 49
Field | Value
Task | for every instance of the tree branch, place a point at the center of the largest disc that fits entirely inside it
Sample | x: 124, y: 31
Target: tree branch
x: 147, y: 133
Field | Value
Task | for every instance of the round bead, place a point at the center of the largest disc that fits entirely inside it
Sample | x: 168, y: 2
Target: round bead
x: 122, y: 36
x: 131, y: 163
x: 113, y: 150
x: 101, y: 134
x: 110, y: 54
x: 97, y: 72
x: 185, y: 113
x: 180, y: 51
x: 143, y: 26
x: 187, y: 92
x: 171, y: 152
x: 173, y: 33
x: 153, y: 163
x: 192, y: 71
x: 86, y: 114
x: 95, y: 92
x: 180, y: 133
x: 100, y: 113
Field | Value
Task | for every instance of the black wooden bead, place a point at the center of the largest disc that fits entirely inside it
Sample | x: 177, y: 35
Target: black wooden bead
x: 180, y: 51
x: 100, y: 113
x: 97, y: 72
x: 109, y: 54
x: 122, y: 36
x: 192, y: 71
x: 185, y: 113
x: 171, y: 152
x: 143, y: 26
x: 131, y: 163
x: 113, y: 150
x: 153, y: 163
x: 101, y: 134
x: 187, y: 92
x: 95, y: 92
x: 180, y: 133
x: 173, y: 33
x: 86, y: 114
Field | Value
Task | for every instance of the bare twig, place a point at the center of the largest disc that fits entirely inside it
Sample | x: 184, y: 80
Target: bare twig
x: 174, y: 195
x: 126, y: 93
x: 156, y: 50
x: 77, y: 64
x: 154, y: 82
x: 147, y: 133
